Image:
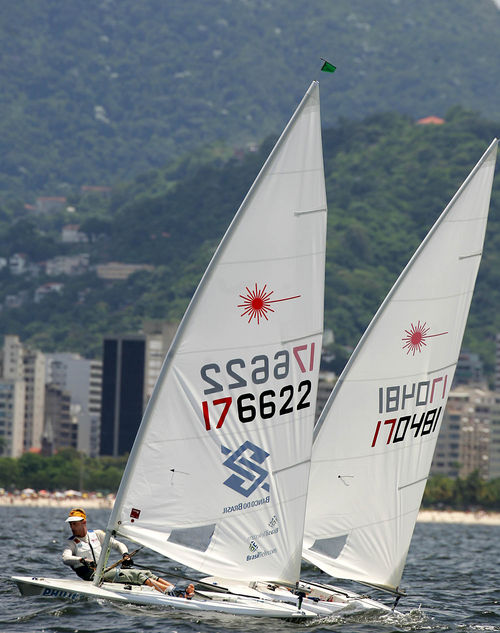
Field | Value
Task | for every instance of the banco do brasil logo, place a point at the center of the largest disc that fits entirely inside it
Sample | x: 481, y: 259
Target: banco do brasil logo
x: 246, y: 464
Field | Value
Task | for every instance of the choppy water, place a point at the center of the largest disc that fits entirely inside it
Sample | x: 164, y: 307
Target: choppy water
x: 451, y: 579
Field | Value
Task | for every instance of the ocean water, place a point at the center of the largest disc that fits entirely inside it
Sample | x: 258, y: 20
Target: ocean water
x: 451, y: 578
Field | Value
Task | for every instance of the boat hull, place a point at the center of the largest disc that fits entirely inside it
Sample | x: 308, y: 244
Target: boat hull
x: 260, y: 600
x: 324, y: 600
x: 69, y: 589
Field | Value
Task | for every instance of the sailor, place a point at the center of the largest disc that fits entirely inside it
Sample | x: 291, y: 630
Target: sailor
x: 83, y: 550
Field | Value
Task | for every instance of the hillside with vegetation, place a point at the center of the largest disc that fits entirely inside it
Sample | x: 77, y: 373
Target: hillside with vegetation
x: 95, y: 92
x: 388, y: 178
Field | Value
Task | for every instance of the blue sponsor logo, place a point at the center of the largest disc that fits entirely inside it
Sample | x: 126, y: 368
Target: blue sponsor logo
x: 60, y: 593
x: 248, y: 473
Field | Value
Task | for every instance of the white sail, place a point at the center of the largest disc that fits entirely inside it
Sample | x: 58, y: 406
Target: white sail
x: 217, y: 478
x: 375, y: 439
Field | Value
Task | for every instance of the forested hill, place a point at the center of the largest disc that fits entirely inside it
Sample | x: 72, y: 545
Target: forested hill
x: 388, y: 179
x: 97, y: 91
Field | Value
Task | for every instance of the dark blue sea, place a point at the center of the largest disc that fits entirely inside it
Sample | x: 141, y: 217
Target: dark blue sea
x: 451, y: 578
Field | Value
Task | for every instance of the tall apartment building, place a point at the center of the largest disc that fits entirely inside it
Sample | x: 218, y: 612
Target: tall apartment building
x: 12, y: 397
x: 326, y: 383
x: 122, y: 392
x: 131, y: 365
x: 469, y: 438
x: 34, y: 377
x: 497, y: 364
x: 61, y: 427
x: 495, y: 418
x: 159, y: 336
x: 494, y: 470
x: 27, y: 366
x: 469, y: 369
x: 81, y: 378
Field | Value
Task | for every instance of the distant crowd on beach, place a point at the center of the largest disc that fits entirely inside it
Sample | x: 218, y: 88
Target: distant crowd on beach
x: 91, y: 500
x: 63, y: 499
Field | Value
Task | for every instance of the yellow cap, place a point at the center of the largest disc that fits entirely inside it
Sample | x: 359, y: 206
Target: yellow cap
x: 77, y: 514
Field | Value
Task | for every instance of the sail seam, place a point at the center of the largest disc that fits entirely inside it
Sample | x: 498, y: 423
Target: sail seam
x: 469, y: 256
x: 413, y: 483
x: 384, y: 451
x: 379, y: 522
x: 282, y: 470
x: 297, y: 171
x: 379, y: 378
x: 301, y: 338
x: 274, y: 259
x: 460, y: 220
x: 309, y: 212
x: 225, y: 349
x: 458, y: 294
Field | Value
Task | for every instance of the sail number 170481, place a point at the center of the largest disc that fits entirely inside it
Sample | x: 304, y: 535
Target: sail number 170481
x: 268, y: 403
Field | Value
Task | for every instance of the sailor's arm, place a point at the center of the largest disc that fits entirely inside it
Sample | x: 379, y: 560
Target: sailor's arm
x: 69, y: 557
x: 114, y: 543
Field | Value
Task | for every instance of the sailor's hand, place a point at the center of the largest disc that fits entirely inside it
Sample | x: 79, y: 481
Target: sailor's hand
x: 88, y: 563
x: 127, y: 562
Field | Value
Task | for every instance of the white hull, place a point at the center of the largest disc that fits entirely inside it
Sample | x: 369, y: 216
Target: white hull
x: 262, y: 600
x: 324, y: 600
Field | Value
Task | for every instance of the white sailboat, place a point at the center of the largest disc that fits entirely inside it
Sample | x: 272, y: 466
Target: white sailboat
x: 218, y: 474
x: 375, y: 438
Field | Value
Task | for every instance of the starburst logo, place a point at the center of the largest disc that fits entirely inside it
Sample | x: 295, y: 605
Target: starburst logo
x: 257, y: 303
x: 416, y: 335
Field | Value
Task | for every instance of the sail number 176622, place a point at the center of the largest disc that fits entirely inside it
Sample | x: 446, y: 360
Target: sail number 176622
x: 268, y: 403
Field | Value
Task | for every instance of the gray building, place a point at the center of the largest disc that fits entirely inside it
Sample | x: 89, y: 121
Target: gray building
x: 81, y: 378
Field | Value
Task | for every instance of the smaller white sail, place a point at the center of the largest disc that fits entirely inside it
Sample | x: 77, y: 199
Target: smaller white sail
x: 376, y: 436
x: 217, y: 478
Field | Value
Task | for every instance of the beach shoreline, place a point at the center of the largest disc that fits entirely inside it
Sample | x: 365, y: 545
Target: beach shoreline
x: 479, y: 517
x: 91, y: 503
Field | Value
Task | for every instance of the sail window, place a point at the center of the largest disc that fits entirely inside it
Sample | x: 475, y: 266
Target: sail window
x: 197, y: 538
x: 331, y: 547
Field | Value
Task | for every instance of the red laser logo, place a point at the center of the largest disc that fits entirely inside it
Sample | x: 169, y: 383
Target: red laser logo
x: 416, y: 336
x: 257, y: 303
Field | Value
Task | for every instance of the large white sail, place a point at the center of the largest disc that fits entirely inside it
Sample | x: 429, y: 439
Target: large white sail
x: 375, y: 439
x: 217, y: 478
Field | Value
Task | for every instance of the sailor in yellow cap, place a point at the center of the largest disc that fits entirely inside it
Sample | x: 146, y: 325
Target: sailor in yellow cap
x: 83, y: 550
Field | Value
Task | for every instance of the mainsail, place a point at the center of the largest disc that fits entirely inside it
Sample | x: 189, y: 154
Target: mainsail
x: 217, y: 478
x: 376, y: 436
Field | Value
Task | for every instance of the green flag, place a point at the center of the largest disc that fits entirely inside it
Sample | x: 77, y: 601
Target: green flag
x: 327, y: 67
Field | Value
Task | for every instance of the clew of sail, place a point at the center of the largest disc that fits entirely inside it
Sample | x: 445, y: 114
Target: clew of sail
x: 217, y: 478
x: 376, y: 436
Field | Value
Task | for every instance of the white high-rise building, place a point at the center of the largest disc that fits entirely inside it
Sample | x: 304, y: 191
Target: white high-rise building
x: 34, y: 377
x: 497, y: 364
x: 22, y: 364
x: 12, y: 396
x: 159, y: 335
x: 82, y: 379
x: 469, y: 439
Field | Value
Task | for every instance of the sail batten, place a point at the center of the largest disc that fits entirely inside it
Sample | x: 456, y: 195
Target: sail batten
x: 383, y: 417
x: 217, y: 478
